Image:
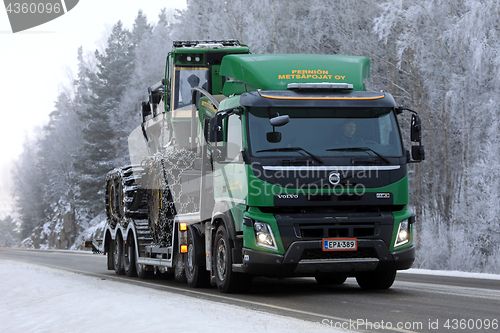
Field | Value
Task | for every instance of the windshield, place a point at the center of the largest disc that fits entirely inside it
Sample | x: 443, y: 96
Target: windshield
x: 325, y: 132
x: 185, y: 78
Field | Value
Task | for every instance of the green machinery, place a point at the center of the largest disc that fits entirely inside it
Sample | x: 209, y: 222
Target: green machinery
x: 273, y: 165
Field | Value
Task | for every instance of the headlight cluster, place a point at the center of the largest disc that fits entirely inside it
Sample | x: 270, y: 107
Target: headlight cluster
x: 403, y: 235
x: 264, y: 235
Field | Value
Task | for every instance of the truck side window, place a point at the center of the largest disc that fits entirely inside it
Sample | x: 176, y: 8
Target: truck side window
x: 234, y: 136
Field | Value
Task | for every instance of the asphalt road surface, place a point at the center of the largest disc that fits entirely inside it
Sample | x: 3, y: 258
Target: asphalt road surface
x: 415, y: 303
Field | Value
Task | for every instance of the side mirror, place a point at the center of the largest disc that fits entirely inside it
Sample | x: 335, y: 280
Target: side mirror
x: 416, y: 129
x: 273, y: 137
x: 146, y: 110
x: 279, y: 120
x: 418, y: 153
x: 216, y: 134
x: 155, y: 97
x: 219, y: 153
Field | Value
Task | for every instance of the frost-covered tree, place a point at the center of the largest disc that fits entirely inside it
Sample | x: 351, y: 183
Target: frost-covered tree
x: 280, y: 26
x: 8, y: 232
x: 30, y: 200
x: 448, y: 53
x: 103, y: 133
x: 150, y: 52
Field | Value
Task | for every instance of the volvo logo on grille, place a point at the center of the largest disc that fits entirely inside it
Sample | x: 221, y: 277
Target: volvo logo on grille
x: 288, y: 196
x: 334, y: 178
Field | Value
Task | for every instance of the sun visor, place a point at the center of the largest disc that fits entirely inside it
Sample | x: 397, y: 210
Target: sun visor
x: 356, y: 99
x: 277, y: 71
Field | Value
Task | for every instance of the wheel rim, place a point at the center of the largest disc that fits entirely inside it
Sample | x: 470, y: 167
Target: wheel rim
x: 221, y: 259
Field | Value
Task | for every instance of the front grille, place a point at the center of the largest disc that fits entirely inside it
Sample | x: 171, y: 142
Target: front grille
x: 351, y: 197
x: 319, y: 254
x: 338, y: 230
x: 319, y: 197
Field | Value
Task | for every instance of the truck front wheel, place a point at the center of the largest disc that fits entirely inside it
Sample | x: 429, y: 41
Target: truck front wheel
x: 376, y: 280
x: 227, y: 281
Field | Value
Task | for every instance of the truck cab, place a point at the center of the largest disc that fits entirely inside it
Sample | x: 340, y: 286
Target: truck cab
x: 311, y: 169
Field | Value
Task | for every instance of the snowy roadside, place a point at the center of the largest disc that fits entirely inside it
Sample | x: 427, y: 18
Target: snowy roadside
x: 484, y: 276
x: 40, y: 299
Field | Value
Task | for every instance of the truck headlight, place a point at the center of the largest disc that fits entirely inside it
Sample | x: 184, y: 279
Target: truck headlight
x: 264, y: 235
x: 403, y: 235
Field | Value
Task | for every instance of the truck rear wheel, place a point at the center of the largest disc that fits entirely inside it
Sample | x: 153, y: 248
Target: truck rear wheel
x: 129, y: 256
x: 227, y: 281
x: 196, y: 274
x: 118, y: 255
x: 376, y: 280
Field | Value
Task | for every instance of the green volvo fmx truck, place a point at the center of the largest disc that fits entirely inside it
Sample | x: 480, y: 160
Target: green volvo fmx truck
x: 276, y: 165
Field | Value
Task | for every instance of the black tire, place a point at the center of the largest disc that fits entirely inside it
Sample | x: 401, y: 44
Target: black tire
x: 129, y: 256
x: 196, y: 274
x: 376, y: 280
x: 226, y: 280
x: 118, y: 255
x: 110, y: 254
x: 110, y: 202
x: 331, y: 279
x: 143, y: 271
x: 119, y: 206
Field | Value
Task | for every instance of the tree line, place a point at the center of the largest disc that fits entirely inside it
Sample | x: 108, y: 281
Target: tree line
x: 438, y: 57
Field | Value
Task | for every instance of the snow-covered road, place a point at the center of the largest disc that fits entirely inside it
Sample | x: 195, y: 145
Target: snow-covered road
x: 41, y: 299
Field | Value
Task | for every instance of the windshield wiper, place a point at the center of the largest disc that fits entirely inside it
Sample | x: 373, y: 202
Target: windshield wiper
x: 360, y: 149
x: 292, y: 149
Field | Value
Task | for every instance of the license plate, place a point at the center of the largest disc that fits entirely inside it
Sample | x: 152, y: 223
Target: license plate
x: 340, y: 244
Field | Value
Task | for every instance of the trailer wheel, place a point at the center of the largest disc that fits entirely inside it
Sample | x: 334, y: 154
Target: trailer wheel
x: 196, y: 275
x: 118, y: 255
x: 129, y: 256
x: 376, y: 280
x: 110, y: 252
x: 227, y: 281
x: 331, y: 279
x: 143, y: 271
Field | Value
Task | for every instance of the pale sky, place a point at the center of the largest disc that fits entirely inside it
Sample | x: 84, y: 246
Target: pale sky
x: 36, y: 62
